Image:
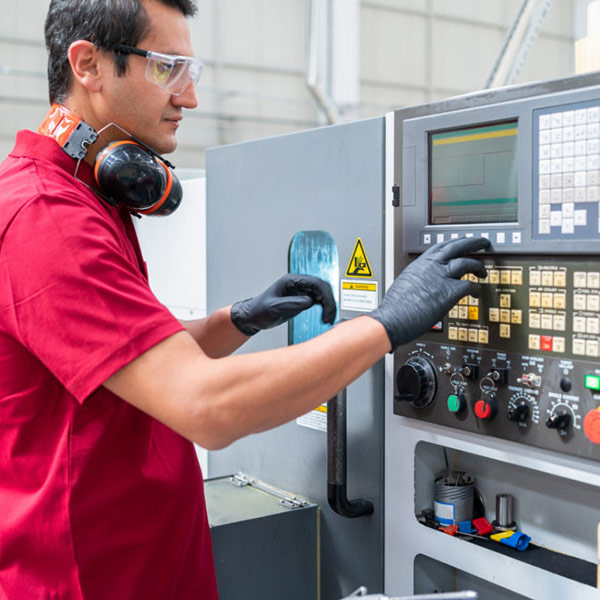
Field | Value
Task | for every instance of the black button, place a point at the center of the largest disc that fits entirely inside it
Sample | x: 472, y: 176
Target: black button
x: 565, y: 384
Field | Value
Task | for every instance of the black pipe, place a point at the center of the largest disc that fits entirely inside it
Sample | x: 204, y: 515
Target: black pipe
x: 336, y: 462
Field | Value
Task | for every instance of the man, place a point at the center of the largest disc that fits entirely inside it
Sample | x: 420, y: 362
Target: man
x: 101, y: 389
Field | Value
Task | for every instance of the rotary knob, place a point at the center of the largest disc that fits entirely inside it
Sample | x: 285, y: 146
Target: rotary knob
x: 519, y: 413
x: 416, y: 382
x: 559, y: 420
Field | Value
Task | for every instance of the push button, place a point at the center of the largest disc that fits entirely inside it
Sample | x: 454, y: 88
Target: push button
x: 558, y: 344
x: 566, y: 385
x: 560, y: 279
x: 592, y: 382
x: 591, y: 426
x: 486, y: 410
x: 456, y: 403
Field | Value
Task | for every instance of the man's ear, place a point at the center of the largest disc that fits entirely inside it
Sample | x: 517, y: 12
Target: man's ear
x: 85, y: 60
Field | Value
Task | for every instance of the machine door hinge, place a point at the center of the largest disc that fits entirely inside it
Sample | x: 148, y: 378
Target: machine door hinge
x: 395, y: 195
x: 285, y: 498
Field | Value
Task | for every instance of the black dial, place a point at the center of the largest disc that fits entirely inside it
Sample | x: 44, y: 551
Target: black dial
x: 416, y: 382
x: 559, y: 420
x: 519, y: 413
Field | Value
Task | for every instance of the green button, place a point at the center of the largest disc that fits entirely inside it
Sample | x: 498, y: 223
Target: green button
x: 592, y: 382
x: 453, y: 403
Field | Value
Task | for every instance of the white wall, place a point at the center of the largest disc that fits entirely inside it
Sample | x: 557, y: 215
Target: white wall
x: 174, y: 249
x: 411, y: 51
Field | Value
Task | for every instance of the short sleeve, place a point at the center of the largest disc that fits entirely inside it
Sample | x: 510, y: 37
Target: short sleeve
x: 72, y: 293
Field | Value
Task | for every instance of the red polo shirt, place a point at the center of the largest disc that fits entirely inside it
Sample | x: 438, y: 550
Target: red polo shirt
x: 97, y: 499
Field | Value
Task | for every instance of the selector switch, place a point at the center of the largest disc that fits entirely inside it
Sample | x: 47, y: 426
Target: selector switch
x: 470, y: 371
x: 499, y: 375
x: 559, y: 420
x: 530, y: 380
x: 416, y: 382
x: 519, y: 413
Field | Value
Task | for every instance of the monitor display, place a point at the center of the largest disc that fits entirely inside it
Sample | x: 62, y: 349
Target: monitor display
x: 473, y: 174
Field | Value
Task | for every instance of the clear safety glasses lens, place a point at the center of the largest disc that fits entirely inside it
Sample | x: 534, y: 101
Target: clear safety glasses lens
x: 173, y: 73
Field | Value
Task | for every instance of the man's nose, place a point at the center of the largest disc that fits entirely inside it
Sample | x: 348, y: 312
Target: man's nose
x: 188, y: 98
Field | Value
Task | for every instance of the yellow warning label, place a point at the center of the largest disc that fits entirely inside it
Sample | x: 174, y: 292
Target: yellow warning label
x: 322, y: 408
x: 359, y: 263
x: 355, y: 285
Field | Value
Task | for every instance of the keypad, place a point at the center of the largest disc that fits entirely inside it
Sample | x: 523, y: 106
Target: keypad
x: 547, y: 309
x: 586, y: 313
x: 551, y: 309
x: 568, y: 170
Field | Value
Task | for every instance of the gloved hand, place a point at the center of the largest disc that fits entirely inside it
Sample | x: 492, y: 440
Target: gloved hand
x: 287, y: 297
x: 428, y: 288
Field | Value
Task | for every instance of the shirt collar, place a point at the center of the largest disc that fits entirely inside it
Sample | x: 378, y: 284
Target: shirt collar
x: 33, y: 145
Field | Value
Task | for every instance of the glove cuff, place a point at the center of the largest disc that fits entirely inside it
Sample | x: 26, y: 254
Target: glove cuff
x: 395, y: 340
x: 239, y: 318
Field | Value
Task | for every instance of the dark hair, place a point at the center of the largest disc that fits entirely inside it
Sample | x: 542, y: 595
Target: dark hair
x: 105, y: 23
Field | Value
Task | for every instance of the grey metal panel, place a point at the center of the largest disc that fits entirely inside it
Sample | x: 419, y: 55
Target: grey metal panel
x: 259, y: 194
x: 262, y: 550
x: 433, y: 575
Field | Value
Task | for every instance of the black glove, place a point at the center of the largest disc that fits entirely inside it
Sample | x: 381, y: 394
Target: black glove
x: 287, y: 297
x: 428, y: 288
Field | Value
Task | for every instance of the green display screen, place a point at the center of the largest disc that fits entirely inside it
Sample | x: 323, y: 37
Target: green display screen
x: 473, y: 175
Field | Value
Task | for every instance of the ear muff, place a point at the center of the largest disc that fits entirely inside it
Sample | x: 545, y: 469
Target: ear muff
x: 137, y: 179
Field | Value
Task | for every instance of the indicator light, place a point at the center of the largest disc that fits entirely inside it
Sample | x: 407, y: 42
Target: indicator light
x: 592, y: 382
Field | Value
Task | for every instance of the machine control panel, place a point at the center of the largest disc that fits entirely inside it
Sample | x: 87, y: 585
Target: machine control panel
x: 520, y: 362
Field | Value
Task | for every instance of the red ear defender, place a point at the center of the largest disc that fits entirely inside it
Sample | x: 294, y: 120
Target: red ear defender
x: 127, y: 172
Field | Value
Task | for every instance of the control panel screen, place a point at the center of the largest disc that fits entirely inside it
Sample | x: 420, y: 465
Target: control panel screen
x: 473, y: 174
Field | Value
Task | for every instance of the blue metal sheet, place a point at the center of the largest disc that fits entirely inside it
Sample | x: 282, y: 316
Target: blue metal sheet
x: 313, y: 253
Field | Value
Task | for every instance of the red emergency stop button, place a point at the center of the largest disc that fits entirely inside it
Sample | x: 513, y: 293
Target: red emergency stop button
x: 486, y: 410
x: 591, y: 426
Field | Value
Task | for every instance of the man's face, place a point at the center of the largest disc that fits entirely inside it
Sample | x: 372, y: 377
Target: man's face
x: 137, y: 105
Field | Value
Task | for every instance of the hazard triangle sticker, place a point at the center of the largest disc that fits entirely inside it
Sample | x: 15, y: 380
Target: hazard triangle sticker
x: 359, y: 263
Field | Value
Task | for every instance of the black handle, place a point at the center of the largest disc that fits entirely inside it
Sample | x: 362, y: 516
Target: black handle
x: 336, y: 462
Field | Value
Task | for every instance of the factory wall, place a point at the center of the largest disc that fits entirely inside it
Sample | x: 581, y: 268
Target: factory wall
x: 411, y: 51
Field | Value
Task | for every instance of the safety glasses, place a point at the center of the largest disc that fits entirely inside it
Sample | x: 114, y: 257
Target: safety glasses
x: 169, y: 72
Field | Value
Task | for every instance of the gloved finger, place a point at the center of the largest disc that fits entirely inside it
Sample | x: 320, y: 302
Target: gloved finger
x: 458, y: 267
x: 289, y: 306
x: 446, y: 251
x: 320, y: 290
x: 462, y: 287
